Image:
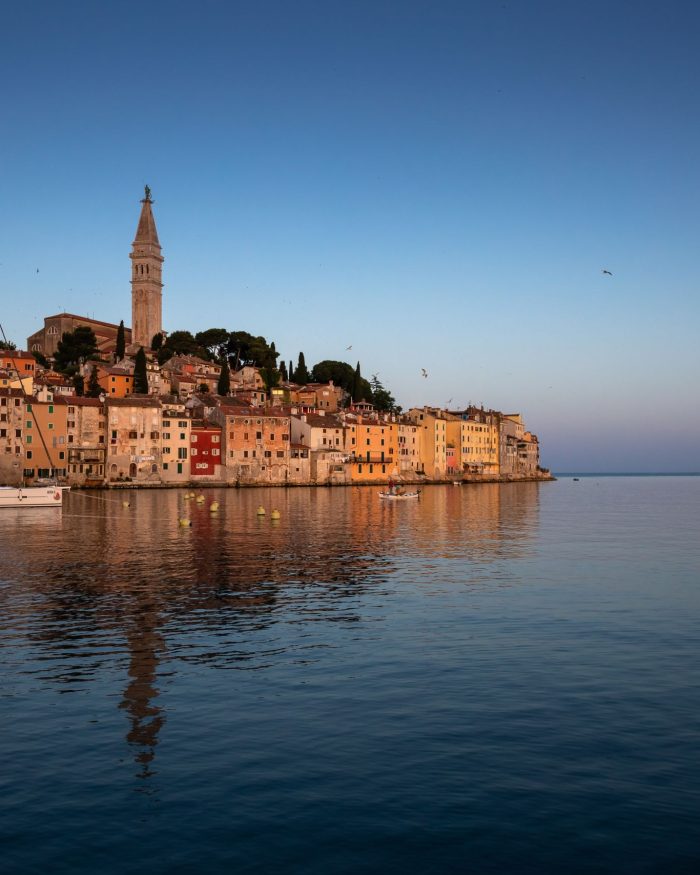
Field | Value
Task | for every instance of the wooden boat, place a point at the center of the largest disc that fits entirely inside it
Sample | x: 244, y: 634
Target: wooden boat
x: 32, y: 496
x: 399, y: 496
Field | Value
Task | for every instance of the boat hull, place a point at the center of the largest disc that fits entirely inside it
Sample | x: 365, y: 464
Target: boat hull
x: 32, y: 496
x: 407, y: 496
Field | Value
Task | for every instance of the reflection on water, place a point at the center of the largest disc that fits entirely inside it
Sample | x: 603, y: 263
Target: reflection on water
x: 98, y: 570
x: 447, y: 684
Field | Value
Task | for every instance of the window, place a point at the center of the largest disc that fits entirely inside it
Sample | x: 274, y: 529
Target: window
x: 166, y: 423
x: 183, y: 436
x: 215, y: 439
x: 166, y: 450
x: 216, y: 452
x: 194, y: 438
x: 258, y: 435
x: 268, y: 454
x: 166, y: 435
x: 182, y: 424
x: 182, y: 452
x: 29, y: 454
x: 280, y: 454
x: 28, y: 438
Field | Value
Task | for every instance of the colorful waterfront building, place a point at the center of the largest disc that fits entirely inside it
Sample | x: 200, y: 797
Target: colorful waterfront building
x: 372, y: 443
x: 205, y: 451
x: 46, y: 438
x: 86, y: 432
x: 175, y: 440
x: 134, y: 443
x: 433, y: 444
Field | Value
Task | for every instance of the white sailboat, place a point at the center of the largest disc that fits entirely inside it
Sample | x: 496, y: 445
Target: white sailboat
x: 32, y: 496
x: 42, y: 494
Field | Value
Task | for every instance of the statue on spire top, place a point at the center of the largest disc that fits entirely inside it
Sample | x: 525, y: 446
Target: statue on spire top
x: 147, y: 192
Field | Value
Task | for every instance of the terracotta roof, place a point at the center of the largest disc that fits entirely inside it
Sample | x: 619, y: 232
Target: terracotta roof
x: 82, y: 401
x: 133, y: 401
x: 86, y: 319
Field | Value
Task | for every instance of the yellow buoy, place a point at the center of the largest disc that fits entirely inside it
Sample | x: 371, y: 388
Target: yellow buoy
x: 125, y: 504
x: 261, y: 511
x: 185, y: 523
x: 187, y: 496
x: 275, y: 515
x: 214, y: 506
x: 200, y: 499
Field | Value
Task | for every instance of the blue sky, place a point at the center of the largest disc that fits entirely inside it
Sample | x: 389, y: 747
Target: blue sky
x: 439, y: 185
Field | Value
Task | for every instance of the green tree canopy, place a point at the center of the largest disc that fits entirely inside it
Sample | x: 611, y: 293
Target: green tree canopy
x: 215, y: 341
x: 157, y: 342
x: 73, y: 348
x: 244, y: 349
x: 140, y: 373
x: 341, y: 373
x: 182, y: 343
x: 7, y: 344
x: 382, y: 399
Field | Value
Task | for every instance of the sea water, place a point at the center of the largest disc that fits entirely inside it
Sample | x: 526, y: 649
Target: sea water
x: 489, y: 679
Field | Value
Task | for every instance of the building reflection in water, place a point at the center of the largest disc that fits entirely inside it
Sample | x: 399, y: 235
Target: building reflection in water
x: 137, y: 577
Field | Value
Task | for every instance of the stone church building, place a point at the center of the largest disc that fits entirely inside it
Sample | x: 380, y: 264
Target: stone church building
x: 146, y: 298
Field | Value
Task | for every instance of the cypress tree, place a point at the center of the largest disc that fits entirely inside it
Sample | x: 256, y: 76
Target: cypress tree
x: 283, y: 371
x: 140, y: 375
x: 224, y: 385
x: 291, y: 371
x: 121, y: 343
x: 357, y: 394
x: 94, y: 390
x: 301, y: 374
x: 78, y: 385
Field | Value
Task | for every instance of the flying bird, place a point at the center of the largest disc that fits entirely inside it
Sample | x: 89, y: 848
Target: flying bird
x: 348, y: 347
x: 37, y: 270
x: 609, y: 272
x: 423, y: 372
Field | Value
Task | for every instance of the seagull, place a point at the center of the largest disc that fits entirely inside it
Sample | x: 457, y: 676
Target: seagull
x: 423, y: 372
x: 348, y: 347
x: 609, y: 272
x: 37, y: 270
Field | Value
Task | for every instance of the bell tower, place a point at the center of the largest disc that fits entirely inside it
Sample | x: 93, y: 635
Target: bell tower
x: 146, y: 285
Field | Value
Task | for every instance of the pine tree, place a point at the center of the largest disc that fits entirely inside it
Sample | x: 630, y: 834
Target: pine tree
x: 140, y: 375
x: 121, y: 343
x: 224, y: 385
x: 301, y: 374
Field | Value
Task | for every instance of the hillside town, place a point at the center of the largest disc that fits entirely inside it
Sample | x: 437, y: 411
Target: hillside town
x: 139, y: 410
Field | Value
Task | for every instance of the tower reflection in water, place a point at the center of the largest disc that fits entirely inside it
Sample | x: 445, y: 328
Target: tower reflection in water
x: 163, y: 593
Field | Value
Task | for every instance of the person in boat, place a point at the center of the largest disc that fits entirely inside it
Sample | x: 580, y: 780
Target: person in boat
x: 392, y: 486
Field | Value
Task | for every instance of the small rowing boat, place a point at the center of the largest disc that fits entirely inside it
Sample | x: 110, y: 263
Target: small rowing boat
x: 399, y: 496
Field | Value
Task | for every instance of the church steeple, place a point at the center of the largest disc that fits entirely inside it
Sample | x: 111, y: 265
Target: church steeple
x: 146, y: 285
